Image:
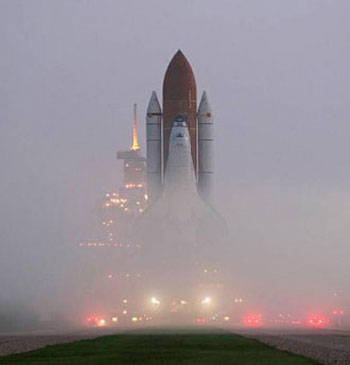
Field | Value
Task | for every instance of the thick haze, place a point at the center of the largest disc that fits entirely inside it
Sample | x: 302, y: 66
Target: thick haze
x: 277, y: 76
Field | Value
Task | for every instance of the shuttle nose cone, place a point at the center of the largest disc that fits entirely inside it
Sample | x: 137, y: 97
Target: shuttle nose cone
x: 179, y: 134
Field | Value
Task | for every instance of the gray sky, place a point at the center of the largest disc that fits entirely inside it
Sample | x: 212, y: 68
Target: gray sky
x: 276, y: 73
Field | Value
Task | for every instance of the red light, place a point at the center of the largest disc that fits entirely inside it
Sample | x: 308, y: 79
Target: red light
x: 201, y: 321
x: 252, y: 320
x: 93, y: 320
x: 316, y: 321
x: 338, y: 312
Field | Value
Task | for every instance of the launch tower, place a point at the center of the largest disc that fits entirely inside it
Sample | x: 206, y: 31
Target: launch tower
x: 134, y: 186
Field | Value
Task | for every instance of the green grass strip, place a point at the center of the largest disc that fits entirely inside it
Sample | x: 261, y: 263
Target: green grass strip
x: 182, y: 348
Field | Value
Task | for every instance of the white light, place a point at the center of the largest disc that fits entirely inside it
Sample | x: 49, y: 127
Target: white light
x: 134, y: 319
x: 101, y: 322
x: 125, y: 301
x: 114, y: 319
x: 155, y: 301
x: 226, y: 318
x: 125, y: 311
x: 206, y: 300
x: 183, y: 302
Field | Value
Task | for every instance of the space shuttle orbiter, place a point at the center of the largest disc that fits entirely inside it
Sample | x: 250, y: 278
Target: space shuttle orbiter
x: 179, y: 221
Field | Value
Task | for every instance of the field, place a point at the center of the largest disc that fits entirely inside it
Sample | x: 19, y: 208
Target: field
x: 157, y: 348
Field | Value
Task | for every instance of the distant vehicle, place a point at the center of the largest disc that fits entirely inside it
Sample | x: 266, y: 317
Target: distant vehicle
x: 253, y: 320
x: 317, y: 321
x: 96, y: 321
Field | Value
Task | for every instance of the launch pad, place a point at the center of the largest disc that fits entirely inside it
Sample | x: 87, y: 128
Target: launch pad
x: 162, y: 253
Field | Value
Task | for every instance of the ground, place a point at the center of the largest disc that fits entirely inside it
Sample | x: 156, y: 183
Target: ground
x: 184, y: 347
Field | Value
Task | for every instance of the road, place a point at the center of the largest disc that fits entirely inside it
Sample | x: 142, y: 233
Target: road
x: 326, y: 346
x: 25, y: 341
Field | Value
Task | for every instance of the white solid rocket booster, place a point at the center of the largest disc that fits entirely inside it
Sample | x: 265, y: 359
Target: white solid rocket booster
x: 205, y: 149
x: 154, y: 155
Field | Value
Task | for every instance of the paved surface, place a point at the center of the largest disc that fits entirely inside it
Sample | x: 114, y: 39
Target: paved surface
x: 20, y: 342
x: 325, y: 346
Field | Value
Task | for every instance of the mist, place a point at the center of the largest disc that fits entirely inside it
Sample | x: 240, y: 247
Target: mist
x: 277, y: 77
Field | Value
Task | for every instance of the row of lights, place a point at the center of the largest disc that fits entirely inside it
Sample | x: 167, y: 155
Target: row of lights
x: 214, y: 271
x: 132, y: 186
x: 102, y: 244
x: 205, y: 301
x: 127, y: 275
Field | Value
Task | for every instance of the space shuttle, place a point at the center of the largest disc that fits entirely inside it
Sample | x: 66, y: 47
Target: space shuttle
x: 180, y: 104
x: 180, y: 140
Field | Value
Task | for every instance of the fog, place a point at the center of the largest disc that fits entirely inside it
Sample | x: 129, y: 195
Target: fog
x: 277, y: 76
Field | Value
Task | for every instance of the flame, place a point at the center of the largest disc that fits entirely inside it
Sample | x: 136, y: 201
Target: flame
x: 135, y: 139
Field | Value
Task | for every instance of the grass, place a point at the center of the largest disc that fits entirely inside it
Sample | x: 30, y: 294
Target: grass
x: 156, y: 348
